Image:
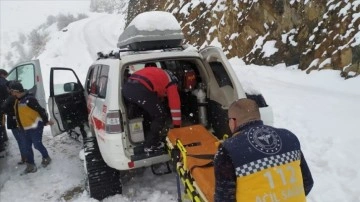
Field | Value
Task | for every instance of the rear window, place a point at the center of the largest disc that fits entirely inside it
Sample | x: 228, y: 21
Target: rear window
x: 220, y: 74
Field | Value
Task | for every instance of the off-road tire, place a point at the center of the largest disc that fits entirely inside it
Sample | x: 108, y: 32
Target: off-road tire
x: 103, y: 181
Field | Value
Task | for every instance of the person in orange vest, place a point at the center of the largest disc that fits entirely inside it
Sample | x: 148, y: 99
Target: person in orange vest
x: 259, y: 162
x: 31, y: 119
x: 8, y: 108
x: 146, y: 88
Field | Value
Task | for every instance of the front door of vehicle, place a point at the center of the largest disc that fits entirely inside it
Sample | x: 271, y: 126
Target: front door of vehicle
x: 29, y: 75
x: 67, y: 103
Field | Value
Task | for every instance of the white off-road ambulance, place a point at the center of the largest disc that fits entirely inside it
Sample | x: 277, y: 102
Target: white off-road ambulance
x: 113, y: 136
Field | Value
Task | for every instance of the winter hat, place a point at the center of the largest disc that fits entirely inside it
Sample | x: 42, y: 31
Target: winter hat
x: 8, y: 83
x: 3, y: 72
x: 16, y: 86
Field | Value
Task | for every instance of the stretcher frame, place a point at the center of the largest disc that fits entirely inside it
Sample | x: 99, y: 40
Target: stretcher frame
x: 180, y: 156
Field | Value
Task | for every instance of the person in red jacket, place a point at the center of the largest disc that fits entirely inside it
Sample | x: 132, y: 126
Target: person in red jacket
x: 147, y: 88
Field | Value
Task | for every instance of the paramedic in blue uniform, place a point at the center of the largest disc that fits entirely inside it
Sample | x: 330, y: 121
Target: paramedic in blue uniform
x: 259, y: 162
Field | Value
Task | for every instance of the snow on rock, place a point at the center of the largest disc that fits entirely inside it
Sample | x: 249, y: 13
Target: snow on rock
x: 269, y: 48
x: 155, y: 20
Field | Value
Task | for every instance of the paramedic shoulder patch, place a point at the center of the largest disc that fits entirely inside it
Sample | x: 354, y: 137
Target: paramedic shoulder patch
x: 264, y: 140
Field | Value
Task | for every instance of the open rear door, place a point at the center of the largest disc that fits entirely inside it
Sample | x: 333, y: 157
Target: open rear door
x: 223, y: 88
x: 226, y: 86
x: 67, y: 103
x: 29, y: 75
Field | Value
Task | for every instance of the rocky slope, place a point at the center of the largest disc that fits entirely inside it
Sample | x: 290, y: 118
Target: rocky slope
x: 321, y: 34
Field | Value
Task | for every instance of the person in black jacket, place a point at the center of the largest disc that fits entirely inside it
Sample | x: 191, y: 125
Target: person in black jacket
x: 3, y: 95
x: 31, y: 118
x: 8, y: 108
x: 259, y: 162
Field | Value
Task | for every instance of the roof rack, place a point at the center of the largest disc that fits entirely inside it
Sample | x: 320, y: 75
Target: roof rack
x: 117, y: 55
x: 112, y: 54
x: 154, y: 30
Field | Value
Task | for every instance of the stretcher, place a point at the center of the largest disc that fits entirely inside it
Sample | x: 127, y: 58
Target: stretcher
x: 192, y: 150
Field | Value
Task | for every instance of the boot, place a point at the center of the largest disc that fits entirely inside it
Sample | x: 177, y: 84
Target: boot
x: 22, y: 161
x: 30, y: 168
x: 45, y: 161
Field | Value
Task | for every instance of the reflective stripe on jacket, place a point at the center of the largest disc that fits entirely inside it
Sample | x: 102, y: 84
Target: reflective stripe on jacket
x: 159, y: 81
x: 29, y: 112
x: 267, y: 164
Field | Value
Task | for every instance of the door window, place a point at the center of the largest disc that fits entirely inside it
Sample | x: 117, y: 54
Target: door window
x: 102, y: 81
x: 93, y: 82
x: 25, y: 74
x: 88, y: 80
x: 64, y: 82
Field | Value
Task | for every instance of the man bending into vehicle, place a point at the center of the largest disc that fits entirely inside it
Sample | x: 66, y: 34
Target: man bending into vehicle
x: 147, y: 88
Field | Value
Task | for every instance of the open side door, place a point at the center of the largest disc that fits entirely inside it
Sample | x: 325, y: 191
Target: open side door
x: 67, y: 103
x: 29, y: 75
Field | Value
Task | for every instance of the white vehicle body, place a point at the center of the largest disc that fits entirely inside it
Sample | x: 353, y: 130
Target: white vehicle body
x: 116, y: 148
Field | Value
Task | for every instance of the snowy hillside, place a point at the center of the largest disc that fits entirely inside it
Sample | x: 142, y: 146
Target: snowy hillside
x: 17, y: 20
x: 314, y: 34
x: 328, y: 132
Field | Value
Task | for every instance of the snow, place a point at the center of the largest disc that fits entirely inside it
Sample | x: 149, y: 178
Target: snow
x: 269, y: 48
x: 325, y: 62
x: 233, y: 36
x: 23, y: 16
x: 344, y: 10
x: 155, y: 20
x: 356, y: 40
x: 321, y: 108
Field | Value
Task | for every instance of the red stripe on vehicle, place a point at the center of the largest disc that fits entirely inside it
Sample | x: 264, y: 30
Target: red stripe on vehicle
x: 99, y: 125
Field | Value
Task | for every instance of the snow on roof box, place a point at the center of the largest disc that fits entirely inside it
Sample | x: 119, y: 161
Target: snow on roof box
x: 150, y: 31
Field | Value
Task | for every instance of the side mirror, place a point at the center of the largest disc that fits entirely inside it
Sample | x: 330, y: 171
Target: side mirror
x: 71, y: 87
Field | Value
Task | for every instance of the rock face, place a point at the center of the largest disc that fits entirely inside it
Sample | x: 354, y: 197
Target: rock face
x: 321, y: 34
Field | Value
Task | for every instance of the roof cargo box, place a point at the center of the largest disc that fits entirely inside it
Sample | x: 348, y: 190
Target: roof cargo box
x: 151, y: 31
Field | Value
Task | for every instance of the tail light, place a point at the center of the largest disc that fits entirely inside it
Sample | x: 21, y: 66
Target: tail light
x: 113, y: 122
x: 259, y: 99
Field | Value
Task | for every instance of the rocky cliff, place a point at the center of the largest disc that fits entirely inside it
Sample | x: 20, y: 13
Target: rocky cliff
x: 321, y: 34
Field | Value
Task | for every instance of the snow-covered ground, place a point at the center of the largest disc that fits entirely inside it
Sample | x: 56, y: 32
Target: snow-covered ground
x: 321, y: 108
x: 323, y: 111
